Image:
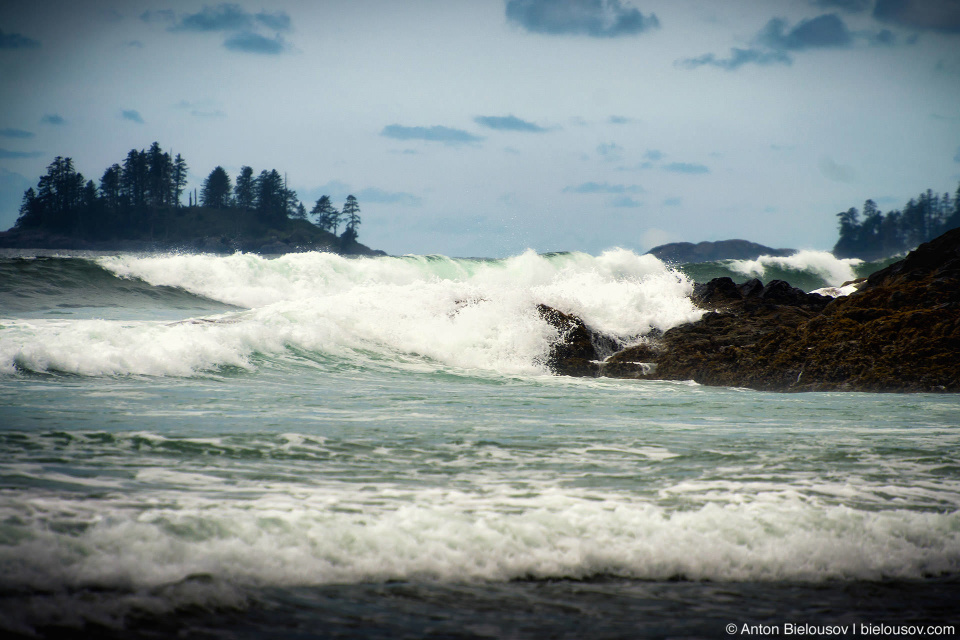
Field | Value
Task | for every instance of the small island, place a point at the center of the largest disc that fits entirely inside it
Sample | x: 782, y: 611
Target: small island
x: 138, y: 206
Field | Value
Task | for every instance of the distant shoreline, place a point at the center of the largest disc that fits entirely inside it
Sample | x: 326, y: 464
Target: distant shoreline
x: 34, y: 240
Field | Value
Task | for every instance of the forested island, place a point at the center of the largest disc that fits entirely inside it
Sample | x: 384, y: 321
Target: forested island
x: 879, y: 235
x: 138, y: 205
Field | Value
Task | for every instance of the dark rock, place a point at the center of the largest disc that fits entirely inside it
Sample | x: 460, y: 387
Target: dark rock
x: 578, y: 350
x: 274, y: 248
x: 899, y: 332
x: 716, y: 293
x: 638, y: 361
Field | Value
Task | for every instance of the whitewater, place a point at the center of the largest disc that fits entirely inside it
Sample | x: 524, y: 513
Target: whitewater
x: 316, y: 446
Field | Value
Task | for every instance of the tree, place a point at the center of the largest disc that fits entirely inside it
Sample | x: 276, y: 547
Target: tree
x: 216, y: 189
x: 179, y: 178
x: 291, y: 201
x: 327, y: 217
x: 849, y: 226
x: 110, y: 189
x: 159, y: 176
x: 351, y: 214
x: 59, y: 198
x: 244, y: 192
x: 30, y: 213
x: 301, y: 213
x: 271, y: 197
x: 133, y: 179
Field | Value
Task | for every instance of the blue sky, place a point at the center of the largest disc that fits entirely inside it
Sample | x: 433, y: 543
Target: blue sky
x: 485, y: 127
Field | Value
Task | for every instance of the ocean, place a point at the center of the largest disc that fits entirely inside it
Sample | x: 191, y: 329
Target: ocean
x: 311, y: 446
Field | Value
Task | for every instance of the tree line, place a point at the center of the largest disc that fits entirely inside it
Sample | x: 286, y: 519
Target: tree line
x: 142, y: 197
x: 877, y: 235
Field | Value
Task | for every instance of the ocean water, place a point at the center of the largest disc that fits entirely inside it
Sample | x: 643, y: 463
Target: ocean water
x: 310, y: 446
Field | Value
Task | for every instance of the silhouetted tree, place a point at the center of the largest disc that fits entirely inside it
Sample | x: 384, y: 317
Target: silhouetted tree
x: 133, y: 179
x: 327, y: 217
x: 180, y: 170
x: 351, y: 214
x: 290, y: 202
x: 216, y: 189
x: 271, y: 197
x: 879, y: 235
x: 244, y: 192
x: 31, y: 215
x: 59, y: 199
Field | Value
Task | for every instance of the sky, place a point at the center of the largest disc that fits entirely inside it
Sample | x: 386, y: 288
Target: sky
x: 488, y: 127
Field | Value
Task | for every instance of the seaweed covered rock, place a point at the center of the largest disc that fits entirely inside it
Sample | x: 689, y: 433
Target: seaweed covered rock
x: 710, y: 350
x: 899, y: 332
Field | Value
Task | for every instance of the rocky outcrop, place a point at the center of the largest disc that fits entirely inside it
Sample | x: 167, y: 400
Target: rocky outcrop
x: 680, y: 252
x: 899, y: 332
x: 578, y: 350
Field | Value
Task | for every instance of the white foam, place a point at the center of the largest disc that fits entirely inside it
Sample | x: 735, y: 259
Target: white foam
x: 415, y: 311
x: 322, y: 536
x: 834, y: 270
x: 837, y: 292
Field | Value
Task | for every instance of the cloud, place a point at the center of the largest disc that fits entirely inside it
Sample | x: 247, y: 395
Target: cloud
x: 956, y: 158
x: 823, y: 31
x: 373, y: 194
x: 135, y: 44
x: 653, y: 155
x: 836, y: 172
x: 445, y: 135
x: 595, y: 18
x: 10, y: 155
x: 610, y: 151
x: 625, y: 201
x: 15, y: 133
x: 850, y: 6
x: 686, y: 167
x: 935, y: 15
x: 17, y: 41
x: 242, y: 25
x: 223, y: 17
x: 882, y: 38
x: 132, y: 115
x: 250, y: 42
x: 672, y: 202
x: 738, y: 58
x: 604, y: 187
x: 776, y: 40
x: 201, y: 108
x: 508, y: 123
x: 278, y: 20
x: 619, y: 120
x: 53, y: 118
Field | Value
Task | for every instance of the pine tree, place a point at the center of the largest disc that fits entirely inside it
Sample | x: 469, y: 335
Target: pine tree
x: 179, y: 180
x: 351, y: 213
x: 133, y: 179
x: 244, y: 192
x: 327, y: 217
x: 30, y: 213
x: 216, y: 189
x: 846, y: 246
x: 271, y: 197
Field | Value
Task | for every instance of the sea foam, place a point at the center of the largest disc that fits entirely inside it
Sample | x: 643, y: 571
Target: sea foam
x: 467, y: 314
x: 835, y: 271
